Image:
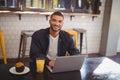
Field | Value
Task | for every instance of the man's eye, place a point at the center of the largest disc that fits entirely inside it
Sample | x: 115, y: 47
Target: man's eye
x: 60, y: 21
x: 54, y: 20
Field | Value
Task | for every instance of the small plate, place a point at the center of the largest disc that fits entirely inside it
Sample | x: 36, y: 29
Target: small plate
x: 13, y: 71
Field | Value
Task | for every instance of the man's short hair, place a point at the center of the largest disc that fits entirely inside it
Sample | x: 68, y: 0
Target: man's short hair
x: 57, y: 13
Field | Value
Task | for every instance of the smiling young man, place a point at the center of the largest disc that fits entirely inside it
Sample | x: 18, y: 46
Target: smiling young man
x: 52, y: 42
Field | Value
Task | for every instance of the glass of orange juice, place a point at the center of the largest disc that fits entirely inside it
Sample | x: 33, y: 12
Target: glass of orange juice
x: 40, y: 65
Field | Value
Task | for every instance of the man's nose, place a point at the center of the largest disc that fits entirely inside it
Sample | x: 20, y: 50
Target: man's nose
x: 57, y: 23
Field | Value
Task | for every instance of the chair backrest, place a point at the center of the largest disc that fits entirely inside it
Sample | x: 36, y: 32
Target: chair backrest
x: 74, y: 34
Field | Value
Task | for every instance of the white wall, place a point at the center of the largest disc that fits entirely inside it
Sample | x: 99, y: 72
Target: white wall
x: 114, y: 30
x: 12, y: 27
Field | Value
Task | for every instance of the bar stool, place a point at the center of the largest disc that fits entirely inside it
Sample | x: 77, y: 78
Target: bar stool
x: 2, y: 43
x: 82, y: 32
x: 74, y: 34
x: 23, y: 42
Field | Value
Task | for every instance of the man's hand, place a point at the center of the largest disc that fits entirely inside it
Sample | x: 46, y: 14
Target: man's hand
x: 52, y: 63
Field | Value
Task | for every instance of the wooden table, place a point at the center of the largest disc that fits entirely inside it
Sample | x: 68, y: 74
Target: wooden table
x: 86, y: 73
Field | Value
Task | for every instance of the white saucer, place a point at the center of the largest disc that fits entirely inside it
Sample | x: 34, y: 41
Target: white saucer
x: 13, y: 71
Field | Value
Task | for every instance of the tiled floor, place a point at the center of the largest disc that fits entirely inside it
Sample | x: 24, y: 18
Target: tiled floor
x: 14, y: 60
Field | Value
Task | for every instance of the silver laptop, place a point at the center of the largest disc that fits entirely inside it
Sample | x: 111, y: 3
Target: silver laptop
x: 67, y: 63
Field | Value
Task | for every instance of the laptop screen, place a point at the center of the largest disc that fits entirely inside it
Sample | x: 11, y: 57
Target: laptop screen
x: 68, y: 63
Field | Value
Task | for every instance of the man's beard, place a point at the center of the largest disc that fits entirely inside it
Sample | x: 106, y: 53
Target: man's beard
x: 55, y: 30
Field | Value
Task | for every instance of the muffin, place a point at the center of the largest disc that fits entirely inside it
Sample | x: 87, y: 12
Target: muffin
x: 19, y: 67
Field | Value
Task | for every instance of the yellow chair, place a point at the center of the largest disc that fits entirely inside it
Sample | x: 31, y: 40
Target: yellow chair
x: 74, y: 34
x: 82, y: 32
x: 3, y: 47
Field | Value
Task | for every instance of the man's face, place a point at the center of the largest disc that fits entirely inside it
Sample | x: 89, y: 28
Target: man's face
x: 56, y: 23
